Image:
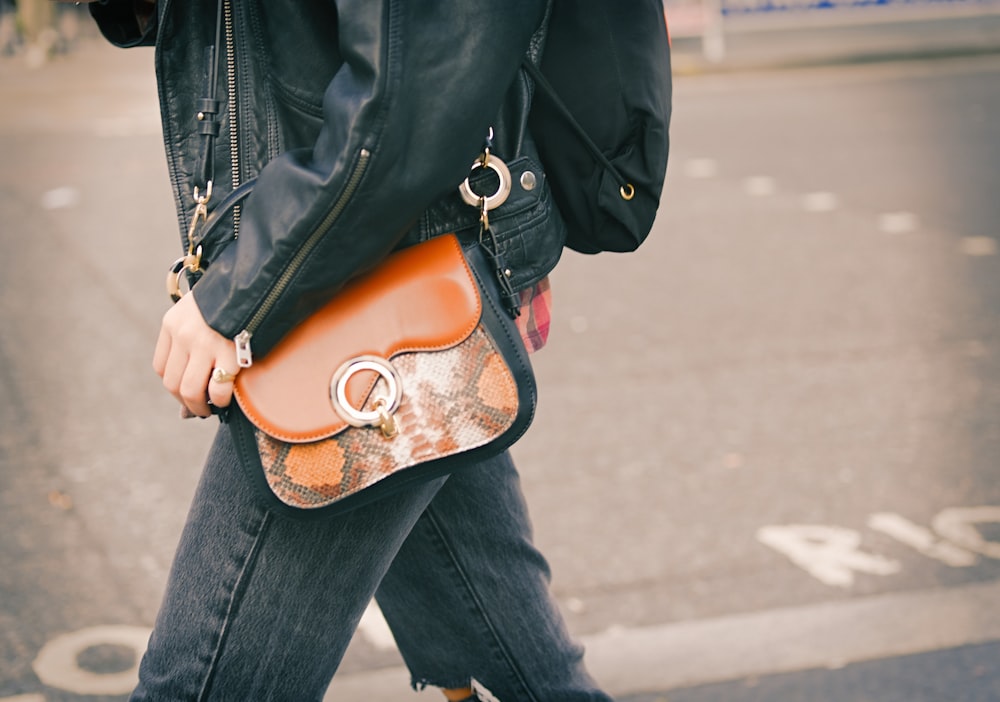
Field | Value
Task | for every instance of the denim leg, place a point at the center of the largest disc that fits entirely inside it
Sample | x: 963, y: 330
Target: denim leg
x: 260, y: 607
x: 467, y: 596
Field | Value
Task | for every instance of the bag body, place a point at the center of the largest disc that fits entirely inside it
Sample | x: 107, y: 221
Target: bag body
x: 608, y: 65
x: 421, y: 343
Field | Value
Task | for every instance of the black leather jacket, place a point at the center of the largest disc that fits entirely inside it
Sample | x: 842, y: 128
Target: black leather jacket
x: 358, y: 119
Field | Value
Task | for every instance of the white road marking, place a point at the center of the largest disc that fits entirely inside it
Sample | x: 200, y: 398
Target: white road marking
x: 898, y: 222
x: 578, y: 324
x: 139, y: 123
x: 978, y: 246
x: 760, y: 186
x: 921, y: 539
x: 785, y: 640
x: 958, y: 525
x: 830, y: 554
x: 60, y: 198
x: 374, y: 629
x: 57, y: 663
x: 820, y: 202
x: 700, y: 168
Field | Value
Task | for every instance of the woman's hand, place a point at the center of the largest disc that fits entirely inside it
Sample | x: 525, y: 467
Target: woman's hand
x: 187, y: 353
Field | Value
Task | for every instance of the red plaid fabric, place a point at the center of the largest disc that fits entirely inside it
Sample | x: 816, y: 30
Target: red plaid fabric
x: 535, y: 317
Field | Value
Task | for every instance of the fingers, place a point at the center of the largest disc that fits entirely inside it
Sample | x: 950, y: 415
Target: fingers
x: 187, y: 352
x: 162, y: 352
x: 193, y: 387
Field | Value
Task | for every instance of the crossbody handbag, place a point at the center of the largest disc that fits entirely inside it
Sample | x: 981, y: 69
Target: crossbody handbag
x: 411, y: 371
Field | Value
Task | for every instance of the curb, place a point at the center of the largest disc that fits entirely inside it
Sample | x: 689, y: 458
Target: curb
x: 826, y: 635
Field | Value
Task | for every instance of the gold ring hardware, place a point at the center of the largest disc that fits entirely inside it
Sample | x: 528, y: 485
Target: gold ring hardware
x: 190, y: 262
x: 386, y: 422
x: 203, y: 199
x: 627, y: 191
x: 487, y: 160
x: 384, y: 405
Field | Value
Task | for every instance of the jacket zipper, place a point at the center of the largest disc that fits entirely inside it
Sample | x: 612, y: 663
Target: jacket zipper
x: 234, y: 144
x: 244, y: 352
x: 201, y: 199
x: 244, y: 355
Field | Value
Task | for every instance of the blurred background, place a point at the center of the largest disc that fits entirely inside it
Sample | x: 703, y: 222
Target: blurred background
x: 765, y: 461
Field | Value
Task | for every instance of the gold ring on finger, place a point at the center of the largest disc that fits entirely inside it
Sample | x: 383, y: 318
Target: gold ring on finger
x: 221, y: 375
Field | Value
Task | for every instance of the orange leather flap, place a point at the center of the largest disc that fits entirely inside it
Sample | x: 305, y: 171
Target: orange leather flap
x: 422, y: 298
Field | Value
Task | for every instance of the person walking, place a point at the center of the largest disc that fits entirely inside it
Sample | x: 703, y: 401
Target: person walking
x: 391, y: 101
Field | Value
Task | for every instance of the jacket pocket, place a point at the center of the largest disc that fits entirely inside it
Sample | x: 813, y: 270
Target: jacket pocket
x: 529, y: 230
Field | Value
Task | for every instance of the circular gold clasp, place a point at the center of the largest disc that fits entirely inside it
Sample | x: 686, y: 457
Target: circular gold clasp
x: 503, y: 189
x: 190, y: 262
x: 384, y: 405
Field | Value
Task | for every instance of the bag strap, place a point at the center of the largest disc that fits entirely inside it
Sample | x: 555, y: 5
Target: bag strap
x: 207, y: 108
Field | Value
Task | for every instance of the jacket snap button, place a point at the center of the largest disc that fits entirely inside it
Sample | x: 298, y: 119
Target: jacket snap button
x: 528, y: 180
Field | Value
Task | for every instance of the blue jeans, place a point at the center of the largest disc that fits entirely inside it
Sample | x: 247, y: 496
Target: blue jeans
x: 260, y: 607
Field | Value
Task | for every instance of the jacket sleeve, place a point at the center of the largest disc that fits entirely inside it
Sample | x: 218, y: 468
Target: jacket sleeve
x: 404, y: 117
x: 126, y: 23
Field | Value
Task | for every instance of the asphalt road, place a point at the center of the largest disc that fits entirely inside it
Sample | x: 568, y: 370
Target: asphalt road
x: 764, y: 463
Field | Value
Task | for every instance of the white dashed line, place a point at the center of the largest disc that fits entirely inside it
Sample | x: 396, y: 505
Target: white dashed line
x: 138, y: 124
x: 898, y: 222
x: 760, y: 186
x: 978, y: 246
x: 820, y: 202
x: 60, y: 198
x: 700, y: 168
